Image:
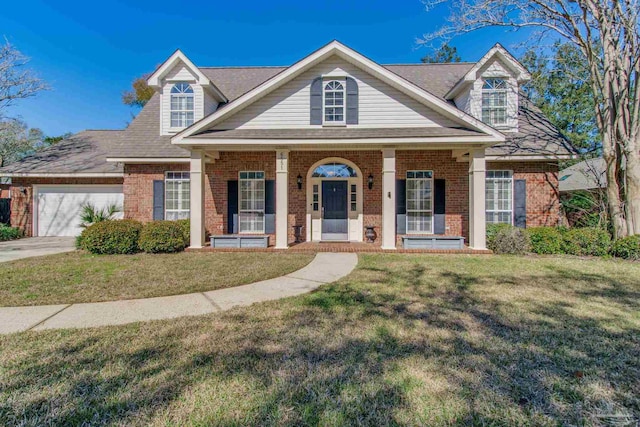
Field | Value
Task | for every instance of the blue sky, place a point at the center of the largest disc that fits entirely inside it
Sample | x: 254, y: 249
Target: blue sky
x: 89, y: 52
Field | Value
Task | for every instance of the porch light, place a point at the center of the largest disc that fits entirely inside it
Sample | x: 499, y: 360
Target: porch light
x: 370, y: 181
x: 299, y: 182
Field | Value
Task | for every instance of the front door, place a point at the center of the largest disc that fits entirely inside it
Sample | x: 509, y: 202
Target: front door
x: 335, y: 222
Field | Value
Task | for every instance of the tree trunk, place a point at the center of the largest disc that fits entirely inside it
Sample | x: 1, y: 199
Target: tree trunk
x: 633, y: 191
x: 616, y: 210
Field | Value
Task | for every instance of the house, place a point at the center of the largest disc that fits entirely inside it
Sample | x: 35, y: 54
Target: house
x: 334, y: 143
x: 588, y: 175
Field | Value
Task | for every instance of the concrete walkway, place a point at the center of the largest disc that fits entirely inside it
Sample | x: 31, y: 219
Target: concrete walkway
x: 325, y: 268
x: 35, y: 246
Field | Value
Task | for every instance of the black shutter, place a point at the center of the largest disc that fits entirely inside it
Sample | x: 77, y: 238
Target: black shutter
x: 520, y: 203
x: 439, y: 206
x: 352, y: 101
x: 316, y: 101
x: 401, y: 206
x: 158, y: 200
x: 232, y: 207
x: 269, y: 206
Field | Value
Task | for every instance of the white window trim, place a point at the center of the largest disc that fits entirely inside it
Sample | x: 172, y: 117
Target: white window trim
x: 191, y: 95
x: 264, y: 201
x: 495, y: 211
x: 179, y: 180
x: 415, y: 210
x: 343, y: 82
x: 504, y: 91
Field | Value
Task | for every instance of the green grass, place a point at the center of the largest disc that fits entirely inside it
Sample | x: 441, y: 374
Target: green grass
x: 81, y: 277
x: 403, y: 340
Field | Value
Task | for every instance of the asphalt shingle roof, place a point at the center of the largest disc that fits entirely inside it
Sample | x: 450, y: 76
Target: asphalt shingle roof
x: 342, y: 133
x: 84, y: 152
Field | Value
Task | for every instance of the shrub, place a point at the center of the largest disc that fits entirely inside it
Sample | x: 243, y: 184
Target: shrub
x: 162, y: 237
x: 627, y: 247
x: 586, y: 241
x: 509, y: 240
x: 111, y: 237
x: 90, y: 214
x: 493, y: 230
x: 9, y: 233
x: 185, y: 225
x: 545, y: 240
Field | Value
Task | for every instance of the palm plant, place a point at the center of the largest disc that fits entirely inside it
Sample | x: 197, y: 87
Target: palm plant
x: 90, y: 214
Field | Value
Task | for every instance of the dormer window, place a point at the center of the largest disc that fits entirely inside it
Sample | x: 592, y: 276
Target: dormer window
x: 334, y: 97
x: 182, y: 106
x: 494, y: 102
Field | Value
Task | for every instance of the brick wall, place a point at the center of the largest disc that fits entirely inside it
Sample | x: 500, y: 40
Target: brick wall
x: 543, y: 199
x: 369, y: 162
x: 456, y: 176
x: 22, y: 196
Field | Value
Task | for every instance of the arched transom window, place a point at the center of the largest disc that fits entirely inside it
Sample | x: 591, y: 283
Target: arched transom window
x: 334, y: 102
x: 181, y: 105
x: 334, y: 170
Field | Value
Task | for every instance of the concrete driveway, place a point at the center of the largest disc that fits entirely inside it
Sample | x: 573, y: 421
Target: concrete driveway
x: 35, y: 246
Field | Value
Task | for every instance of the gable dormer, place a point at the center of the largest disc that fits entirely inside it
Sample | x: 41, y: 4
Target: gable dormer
x: 186, y: 94
x: 489, y: 91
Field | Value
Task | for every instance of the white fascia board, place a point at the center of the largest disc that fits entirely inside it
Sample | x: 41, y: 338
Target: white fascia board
x: 337, y: 48
x: 156, y: 78
x: 148, y: 159
x: 530, y: 158
x: 520, y: 72
x: 63, y: 175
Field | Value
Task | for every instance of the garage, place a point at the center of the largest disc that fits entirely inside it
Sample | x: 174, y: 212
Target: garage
x: 58, y: 207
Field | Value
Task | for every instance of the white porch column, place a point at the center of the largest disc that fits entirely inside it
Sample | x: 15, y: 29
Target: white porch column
x: 477, y: 221
x: 388, y: 199
x: 282, y: 198
x: 196, y: 170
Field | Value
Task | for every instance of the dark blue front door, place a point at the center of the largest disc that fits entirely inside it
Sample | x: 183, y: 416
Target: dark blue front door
x: 335, y: 222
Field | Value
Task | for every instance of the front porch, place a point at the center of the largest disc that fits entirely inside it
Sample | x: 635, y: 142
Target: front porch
x: 334, y: 196
x: 344, y: 247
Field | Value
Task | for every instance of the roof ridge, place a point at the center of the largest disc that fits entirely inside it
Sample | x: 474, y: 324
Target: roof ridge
x: 421, y: 64
x: 243, y: 66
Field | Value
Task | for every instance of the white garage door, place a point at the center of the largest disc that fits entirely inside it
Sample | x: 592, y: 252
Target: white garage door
x: 58, y: 207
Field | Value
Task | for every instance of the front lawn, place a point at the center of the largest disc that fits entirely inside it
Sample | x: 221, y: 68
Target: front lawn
x: 403, y: 340
x: 81, y: 277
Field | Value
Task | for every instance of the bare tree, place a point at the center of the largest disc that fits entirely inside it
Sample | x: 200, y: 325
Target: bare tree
x: 17, y: 141
x: 607, y: 33
x: 16, y: 80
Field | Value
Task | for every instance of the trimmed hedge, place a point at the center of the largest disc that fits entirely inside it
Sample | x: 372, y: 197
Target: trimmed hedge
x: 492, y: 231
x: 586, y: 241
x: 111, y: 237
x: 185, y: 225
x: 545, y: 240
x: 627, y: 247
x: 162, y: 237
x: 509, y: 240
x: 9, y: 233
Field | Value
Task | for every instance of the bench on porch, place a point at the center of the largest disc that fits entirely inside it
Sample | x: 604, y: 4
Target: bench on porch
x: 432, y: 242
x: 239, y: 241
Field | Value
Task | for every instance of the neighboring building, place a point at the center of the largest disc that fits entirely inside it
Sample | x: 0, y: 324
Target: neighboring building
x: 588, y: 175
x: 333, y: 143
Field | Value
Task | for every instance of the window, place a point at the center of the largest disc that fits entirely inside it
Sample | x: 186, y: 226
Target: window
x: 251, y: 212
x: 334, y: 170
x: 177, y: 193
x: 499, y: 197
x: 354, y: 198
x: 419, y: 202
x: 181, y: 105
x: 494, y: 102
x: 334, y: 102
x: 316, y: 197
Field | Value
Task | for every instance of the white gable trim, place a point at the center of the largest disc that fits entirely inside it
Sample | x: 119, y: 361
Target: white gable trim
x: 155, y: 80
x: 520, y: 73
x: 337, y: 48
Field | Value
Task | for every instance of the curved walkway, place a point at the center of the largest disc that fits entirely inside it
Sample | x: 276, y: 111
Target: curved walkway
x: 325, y: 268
